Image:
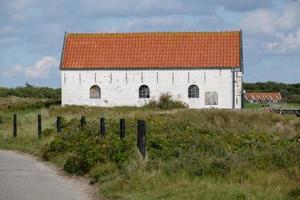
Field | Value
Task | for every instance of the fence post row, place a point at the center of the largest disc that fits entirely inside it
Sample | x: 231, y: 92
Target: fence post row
x: 122, y: 128
x: 102, y: 127
x: 15, y: 125
x: 82, y: 121
x: 39, y: 125
x: 58, y: 124
x: 141, y: 137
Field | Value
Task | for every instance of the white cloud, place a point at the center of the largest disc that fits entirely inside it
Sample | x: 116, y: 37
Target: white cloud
x: 20, y: 5
x: 274, y: 31
x: 245, y: 5
x: 150, y: 8
x: 43, y: 68
x: 285, y: 44
x: 19, y: 8
x: 268, y: 22
x: 121, y: 8
x: 165, y: 23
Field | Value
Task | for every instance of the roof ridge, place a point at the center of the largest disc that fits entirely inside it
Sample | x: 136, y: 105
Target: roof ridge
x: 154, y: 33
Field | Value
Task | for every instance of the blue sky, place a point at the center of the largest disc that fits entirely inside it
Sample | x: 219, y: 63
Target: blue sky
x: 31, y: 32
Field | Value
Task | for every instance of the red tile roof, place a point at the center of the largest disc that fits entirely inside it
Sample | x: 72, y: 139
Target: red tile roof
x: 152, y: 50
x: 263, y: 96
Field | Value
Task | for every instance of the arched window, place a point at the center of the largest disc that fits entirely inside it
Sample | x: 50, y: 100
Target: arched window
x: 95, y: 92
x: 193, y: 91
x: 144, y: 92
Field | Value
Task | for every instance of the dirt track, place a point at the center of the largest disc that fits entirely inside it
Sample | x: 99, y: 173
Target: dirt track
x: 24, y: 178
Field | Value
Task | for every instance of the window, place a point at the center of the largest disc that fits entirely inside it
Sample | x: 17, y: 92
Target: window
x: 193, y: 91
x: 95, y: 92
x: 211, y: 98
x: 144, y: 92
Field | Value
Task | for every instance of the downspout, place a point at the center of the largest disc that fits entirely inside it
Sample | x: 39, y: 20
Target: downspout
x: 242, y: 69
x: 233, y: 89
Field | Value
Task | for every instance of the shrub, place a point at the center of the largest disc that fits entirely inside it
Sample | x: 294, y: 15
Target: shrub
x: 210, y: 144
x: 48, y: 132
x: 166, y: 102
x: 75, y: 164
x: 294, y: 193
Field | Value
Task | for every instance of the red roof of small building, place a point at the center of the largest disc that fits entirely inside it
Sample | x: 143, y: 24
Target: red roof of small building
x: 263, y: 96
x: 152, y: 50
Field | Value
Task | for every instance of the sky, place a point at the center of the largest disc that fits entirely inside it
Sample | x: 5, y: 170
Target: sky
x: 32, y: 32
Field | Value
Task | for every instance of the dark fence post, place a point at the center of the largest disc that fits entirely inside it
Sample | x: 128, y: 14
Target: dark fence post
x: 82, y: 121
x: 141, y: 137
x: 122, y: 128
x: 102, y: 127
x: 15, y: 125
x: 39, y: 125
x: 58, y: 124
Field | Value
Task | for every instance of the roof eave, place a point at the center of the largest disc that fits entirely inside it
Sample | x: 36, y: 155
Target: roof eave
x: 139, y: 68
x: 62, y: 52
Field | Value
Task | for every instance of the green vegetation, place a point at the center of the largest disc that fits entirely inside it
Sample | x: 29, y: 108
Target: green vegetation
x: 207, y: 154
x: 273, y: 105
x: 30, y: 91
x: 289, y: 92
x: 248, y: 105
x: 166, y: 102
x: 14, y: 104
x: 27, y: 98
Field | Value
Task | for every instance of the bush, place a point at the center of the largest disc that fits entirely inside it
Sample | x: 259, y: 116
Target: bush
x: 75, y: 164
x: 210, y: 144
x: 294, y: 193
x: 48, y: 132
x: 166, y: 102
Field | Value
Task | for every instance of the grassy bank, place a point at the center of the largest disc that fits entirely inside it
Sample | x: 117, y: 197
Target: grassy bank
x: 274, y: 106
x: 207, y: 154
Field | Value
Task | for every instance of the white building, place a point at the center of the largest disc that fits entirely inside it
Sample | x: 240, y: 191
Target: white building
x: 202, y: 69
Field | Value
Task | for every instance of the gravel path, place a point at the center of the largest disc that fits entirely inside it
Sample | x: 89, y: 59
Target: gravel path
x: 24, y: 178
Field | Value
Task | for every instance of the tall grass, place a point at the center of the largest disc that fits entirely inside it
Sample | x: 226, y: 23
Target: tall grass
x: 192, y: 154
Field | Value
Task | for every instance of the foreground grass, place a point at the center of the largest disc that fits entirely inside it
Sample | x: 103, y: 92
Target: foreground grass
x: 161, y: 178
x: 260, y: 185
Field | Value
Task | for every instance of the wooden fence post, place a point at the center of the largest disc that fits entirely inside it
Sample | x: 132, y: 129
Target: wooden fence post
x: 122, y: 128
x: 82, y: 121
x: 58, y: 124
x: 102, y: 127
x: 39, y: 125
x: 141, y: 137
x: 15, y: 125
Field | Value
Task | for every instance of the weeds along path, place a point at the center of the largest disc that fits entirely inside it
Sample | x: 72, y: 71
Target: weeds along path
x: 23, y: 177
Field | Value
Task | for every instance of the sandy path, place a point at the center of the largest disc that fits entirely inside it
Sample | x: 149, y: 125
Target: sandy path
x: 25, y: 178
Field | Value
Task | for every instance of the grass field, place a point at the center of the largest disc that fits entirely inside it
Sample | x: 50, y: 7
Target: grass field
x: 207, y: 154
x: 274, y: 106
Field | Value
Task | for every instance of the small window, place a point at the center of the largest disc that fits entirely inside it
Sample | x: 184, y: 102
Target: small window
x: 95, y: 92
x: 193, y: 91
x: 211, y: 98
x: 144, y: 92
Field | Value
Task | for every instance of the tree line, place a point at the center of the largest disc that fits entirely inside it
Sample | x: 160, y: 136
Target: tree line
x: 31, y: 91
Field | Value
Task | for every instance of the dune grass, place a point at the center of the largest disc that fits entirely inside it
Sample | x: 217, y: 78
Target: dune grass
x: 258, y: 147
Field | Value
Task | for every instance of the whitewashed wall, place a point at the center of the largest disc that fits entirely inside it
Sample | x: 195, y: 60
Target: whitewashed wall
x: 120, y: 87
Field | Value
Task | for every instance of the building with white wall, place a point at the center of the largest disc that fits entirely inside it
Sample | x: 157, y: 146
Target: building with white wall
x: 202, y: 69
